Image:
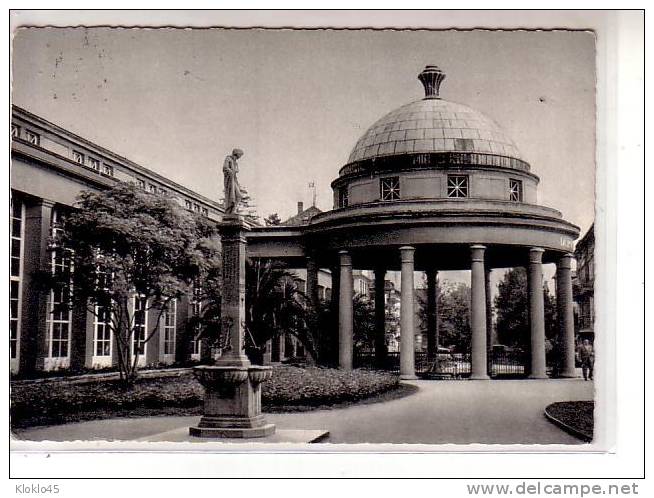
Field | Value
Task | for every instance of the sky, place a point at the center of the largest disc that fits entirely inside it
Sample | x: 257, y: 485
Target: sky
x: 296, y: 101
x: 177, y: 101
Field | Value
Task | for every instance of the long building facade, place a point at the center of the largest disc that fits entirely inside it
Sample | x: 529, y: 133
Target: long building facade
x: 50, y: 166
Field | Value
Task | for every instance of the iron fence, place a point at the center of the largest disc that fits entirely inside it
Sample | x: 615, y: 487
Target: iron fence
x: 508, y: 363
x: 450, y: 366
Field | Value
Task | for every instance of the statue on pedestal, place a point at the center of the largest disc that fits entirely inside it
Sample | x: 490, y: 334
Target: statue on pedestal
x: 233, y: 193
x: 232, y: 397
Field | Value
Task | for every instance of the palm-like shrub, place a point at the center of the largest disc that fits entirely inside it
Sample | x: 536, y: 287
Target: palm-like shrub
x: 275, y: 305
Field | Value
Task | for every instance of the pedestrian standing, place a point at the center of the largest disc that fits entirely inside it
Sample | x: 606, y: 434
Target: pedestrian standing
x: 587, y: 357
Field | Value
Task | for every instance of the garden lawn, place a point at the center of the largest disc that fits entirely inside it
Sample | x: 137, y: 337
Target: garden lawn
x: 290, y: 389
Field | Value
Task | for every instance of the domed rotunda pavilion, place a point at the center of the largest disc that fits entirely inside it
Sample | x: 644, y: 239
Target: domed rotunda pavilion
x: 433, y: 185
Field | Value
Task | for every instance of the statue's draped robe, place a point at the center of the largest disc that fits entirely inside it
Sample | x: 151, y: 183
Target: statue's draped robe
x: 232, y: 188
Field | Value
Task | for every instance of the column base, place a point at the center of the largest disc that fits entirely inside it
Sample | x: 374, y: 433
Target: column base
x: 240, y: 432
x: 408, y: 377
x: 479, y: 377
x: 538, y: 376
x: 568, y: 375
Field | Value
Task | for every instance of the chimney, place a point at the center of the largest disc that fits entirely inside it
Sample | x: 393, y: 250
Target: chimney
x: 300, y: 207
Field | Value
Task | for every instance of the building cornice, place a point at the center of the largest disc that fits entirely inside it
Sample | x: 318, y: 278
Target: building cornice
x: 123, y: 162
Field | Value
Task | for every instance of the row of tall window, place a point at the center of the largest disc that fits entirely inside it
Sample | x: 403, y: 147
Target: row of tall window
x: 17, y: 221
x: 458, y: 186
x: 58, y: 312
x: 59, y: 315
x: 196, y: 307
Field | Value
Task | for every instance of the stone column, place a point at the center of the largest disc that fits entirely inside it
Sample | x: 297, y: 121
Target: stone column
x: 345, y: 312
x: 407, y: 326
x: 489, y: 322
x: 312, y: 281
x: 432, y: 314
x: 380, y: 317
x: 478, y: 313
x: 566, y: 315
x: 33, y: 346
x: 536, y: 313
x: 232, y: 387
x: 232, y: 237
x: 331, y: 342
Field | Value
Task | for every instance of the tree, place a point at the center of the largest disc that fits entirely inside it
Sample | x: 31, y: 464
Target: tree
x: 512, y: 308
x: 275, y: 305
x: 133, y: 252
x: 205, y: 323
x: 247, y: 207
x: 272, y: 220
x: 453, y: 315
x: 323, y: 323
x: 364, y: 323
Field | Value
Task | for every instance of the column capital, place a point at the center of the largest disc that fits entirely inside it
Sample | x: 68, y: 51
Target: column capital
x: 565, y: 261
x: 345, y: 258
x: 45, y: 203
x: 406, y: 253
x: 477, y: 252
x: 536, y: 254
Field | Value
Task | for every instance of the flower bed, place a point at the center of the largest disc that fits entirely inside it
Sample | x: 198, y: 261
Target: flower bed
x: 575, y: 417
x: 48, y: 403
x: 314, y: 386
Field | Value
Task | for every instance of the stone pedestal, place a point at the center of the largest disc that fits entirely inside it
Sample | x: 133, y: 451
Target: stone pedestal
x: 232, y: 238
x: 232, y: 399
x: 232, y: 402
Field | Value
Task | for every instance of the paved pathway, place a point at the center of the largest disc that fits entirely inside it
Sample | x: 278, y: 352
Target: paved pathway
x: 503, y: 412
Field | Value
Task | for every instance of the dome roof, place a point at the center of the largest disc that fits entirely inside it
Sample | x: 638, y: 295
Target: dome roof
x: 433, y: 125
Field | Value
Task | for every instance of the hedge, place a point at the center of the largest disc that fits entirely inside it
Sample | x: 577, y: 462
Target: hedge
x: 52, y: 403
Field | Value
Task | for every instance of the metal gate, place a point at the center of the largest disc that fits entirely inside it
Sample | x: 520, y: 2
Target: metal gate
x: 503, y: 364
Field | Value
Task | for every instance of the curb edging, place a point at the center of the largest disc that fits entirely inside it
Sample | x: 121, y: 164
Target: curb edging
x: 567, y: 428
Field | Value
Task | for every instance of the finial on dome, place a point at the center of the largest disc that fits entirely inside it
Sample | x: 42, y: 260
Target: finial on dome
x: 431, y: 78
